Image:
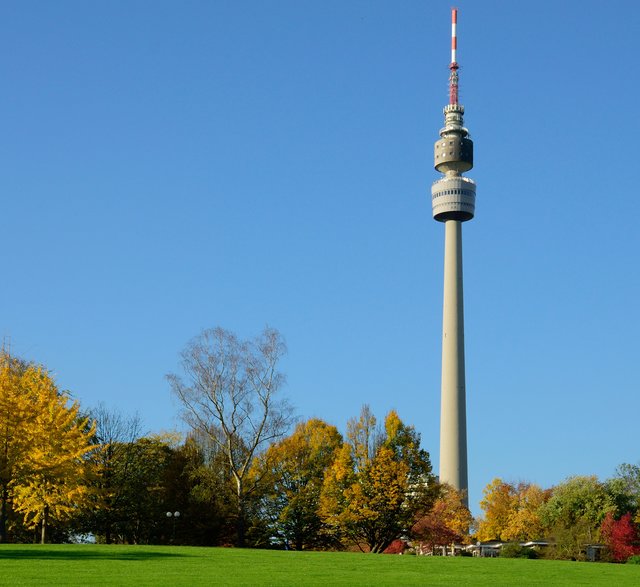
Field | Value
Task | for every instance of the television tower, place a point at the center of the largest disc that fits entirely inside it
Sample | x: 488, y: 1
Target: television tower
x: 453, y: 199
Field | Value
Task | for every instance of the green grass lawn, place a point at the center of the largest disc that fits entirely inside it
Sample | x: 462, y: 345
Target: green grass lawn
x: 89, y: 565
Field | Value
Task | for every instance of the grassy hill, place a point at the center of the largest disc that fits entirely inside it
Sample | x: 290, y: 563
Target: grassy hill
x: 89, y: 565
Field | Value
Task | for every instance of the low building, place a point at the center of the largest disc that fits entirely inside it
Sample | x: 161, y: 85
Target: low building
x: 488, y: 548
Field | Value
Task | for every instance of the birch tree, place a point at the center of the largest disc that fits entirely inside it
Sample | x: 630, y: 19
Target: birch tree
x: 229, y: 391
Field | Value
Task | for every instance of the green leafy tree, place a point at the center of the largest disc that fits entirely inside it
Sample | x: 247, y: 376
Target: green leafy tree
x: 575, y: 511
x: 210, y: 501
x: 629, y: 478
x: 114, y: 460
x: 144, y: 501
x: 138, y: 482
x: 292, y: 472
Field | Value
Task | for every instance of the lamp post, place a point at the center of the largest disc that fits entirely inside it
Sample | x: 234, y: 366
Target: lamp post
x: 174, y: 516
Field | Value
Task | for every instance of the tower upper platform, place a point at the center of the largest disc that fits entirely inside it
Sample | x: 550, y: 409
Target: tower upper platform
x: 453, y: 197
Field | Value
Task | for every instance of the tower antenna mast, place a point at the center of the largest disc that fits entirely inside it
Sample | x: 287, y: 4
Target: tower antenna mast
x: 453, y: 66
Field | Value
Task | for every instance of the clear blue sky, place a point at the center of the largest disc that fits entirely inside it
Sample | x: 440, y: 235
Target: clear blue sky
x: 171, y: 166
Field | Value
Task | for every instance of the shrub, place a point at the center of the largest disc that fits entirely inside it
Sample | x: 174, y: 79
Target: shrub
x: 634, y: 560
x: 514, y: 550
x: 396, y: 547
x: 621, y: 536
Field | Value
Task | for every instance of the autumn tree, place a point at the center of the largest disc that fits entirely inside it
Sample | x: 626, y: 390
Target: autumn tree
x: 16, y: 415
x: 448, y: 521
x: 292, y: 471
x: 621, y: 536
x: 511, y: 511
x: 378, y: 482
x: 496, y: 504
x: 52, y: 483
x: 524, y: 520
x: 45, y: 442
x: 230, y: 393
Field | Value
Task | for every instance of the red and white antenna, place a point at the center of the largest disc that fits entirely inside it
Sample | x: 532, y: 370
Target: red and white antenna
x: 454, y: 37
x: 453, y: 66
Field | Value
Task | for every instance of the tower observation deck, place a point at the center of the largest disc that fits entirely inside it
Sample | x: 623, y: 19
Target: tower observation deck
x: 453, y: 199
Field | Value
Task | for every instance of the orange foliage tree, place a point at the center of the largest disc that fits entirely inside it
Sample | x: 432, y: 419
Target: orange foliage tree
x: 448, y: 521
x: 378, y: 481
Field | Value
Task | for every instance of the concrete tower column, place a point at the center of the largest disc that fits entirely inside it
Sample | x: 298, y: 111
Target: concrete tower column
x: 453, y: 418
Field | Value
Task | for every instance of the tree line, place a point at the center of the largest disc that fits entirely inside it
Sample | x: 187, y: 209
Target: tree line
x: 580, y: 511
x: 242, y: 475
x: 246, y: 474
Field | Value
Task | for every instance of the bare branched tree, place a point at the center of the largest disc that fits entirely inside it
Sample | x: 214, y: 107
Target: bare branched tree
x: 230, y: 393
x: 113, y: 427
x: 117, y: 434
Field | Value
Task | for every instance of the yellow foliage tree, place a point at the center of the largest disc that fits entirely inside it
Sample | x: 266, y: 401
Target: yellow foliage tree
x: 377, y: 483
x: 45, y: 442
x: 511, y: 511
x: 524, y: 519
x: 496, y: 504
x: 16, y: 414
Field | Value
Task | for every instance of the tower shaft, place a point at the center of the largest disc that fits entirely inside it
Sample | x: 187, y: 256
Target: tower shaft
x: 453, y: 418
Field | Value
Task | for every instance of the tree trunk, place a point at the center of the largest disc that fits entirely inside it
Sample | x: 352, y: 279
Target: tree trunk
x: 240, y: 526
x: 5, y: 492
x: 43, y: 534
x: 240, y: 521
x: 3, y: 515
